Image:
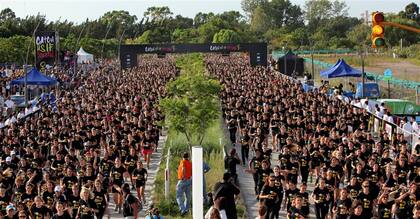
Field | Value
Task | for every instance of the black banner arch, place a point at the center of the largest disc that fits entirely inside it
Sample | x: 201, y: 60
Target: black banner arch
x: 257, y: 51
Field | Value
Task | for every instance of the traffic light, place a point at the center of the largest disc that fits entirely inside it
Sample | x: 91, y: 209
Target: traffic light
x: 378, y: 30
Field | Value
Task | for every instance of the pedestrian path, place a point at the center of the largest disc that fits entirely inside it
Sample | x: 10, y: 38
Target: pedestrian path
x: 246, y: 183
x: 150, y: 184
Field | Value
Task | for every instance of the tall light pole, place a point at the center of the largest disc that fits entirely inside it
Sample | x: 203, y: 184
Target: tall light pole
x: 363, y: 72
x: 119, y: 43
x: 57, y: 44
x: 103, y: 42
x: 285, y: 59
x: 25, y: 66
x: 75, y: 53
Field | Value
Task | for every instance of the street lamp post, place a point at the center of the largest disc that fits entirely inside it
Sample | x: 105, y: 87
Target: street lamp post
x: 285, y: 60
x: 119, y: 43
x: 25, y: 66
x: 363, y: 73
x: 103, y: 43
x: 75, y: 53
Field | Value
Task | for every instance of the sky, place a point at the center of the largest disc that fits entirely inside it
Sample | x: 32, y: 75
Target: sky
x: 78, y: 10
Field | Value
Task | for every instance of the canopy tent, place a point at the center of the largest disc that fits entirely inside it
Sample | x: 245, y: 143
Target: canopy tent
x: 292, y: 62
x: 341, y: 69
x: 34, y: 77
x: 84, y: 57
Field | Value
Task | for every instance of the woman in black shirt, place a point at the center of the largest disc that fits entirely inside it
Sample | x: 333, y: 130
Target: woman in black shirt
x: 140, y: 176
x: 270, y: 197
x: 38, y: 209
x: 385, y: 206
x: 87, y: 206
x: 117, y: 175
x: 321, y: 196
x: 100, y: 197
x: 61, y: 213
x: 244, y: 140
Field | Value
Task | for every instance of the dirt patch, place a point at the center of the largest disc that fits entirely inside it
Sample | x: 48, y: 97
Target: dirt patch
x: 402, y: 70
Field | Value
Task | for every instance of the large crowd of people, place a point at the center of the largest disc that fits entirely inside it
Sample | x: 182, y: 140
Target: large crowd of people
x: 63, y: 162
x: 99, y: 136
x: 316, y: 139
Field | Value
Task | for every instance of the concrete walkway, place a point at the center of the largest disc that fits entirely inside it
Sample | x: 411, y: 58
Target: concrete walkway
x: 150, y: 184
x: 246, y: 182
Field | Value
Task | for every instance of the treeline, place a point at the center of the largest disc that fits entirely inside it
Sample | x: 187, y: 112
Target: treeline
x: 319, y: 24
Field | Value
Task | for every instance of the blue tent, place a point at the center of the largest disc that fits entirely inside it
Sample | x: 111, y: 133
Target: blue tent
x: 34, y: 77
x: 341, y: 69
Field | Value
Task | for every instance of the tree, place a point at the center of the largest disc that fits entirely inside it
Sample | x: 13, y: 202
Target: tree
x: 158, y: 14
x: 260, y: 21
x: 226, y: 36
x: 184, y: 35
x: 318, y: 12
x: 412, y: 10
x: 393, y: 35
x: 284, y: 13
x: 118, y: 20
x: 7, y: 14
x: 360, y: 35
x: 202, y: 18
x: 250, y: 5
x: 192, y: 101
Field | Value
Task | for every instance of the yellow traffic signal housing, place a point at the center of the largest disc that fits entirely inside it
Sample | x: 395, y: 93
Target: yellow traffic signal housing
x: 378, y: 30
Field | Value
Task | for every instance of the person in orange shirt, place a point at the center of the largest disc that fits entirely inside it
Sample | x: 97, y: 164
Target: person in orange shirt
x: 184, y: 184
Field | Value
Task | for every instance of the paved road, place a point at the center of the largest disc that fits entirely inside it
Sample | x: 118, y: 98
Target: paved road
x: 150, y: 184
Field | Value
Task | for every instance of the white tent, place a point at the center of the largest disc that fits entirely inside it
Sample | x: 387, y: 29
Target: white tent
x: 84, y: 57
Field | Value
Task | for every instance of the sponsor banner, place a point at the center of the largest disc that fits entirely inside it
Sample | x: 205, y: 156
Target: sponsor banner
x: 45, y: 49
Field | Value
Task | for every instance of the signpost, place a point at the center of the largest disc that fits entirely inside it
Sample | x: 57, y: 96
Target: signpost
x: 388, y: 77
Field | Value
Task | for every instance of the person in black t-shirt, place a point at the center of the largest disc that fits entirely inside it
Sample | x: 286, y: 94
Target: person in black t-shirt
x: 304, y: 161
x: 342, y: 206
x: 290, y: 194
x: 130, y: 208
x: 140, y: 176
x: 269, y: 197
x: 61, y: 212
x: 305, y: 200
x: 254, y: 167
x: 245, y: 141
x: 232, y: 122
x: 263, y: 173
x: 295, y: 211
x: 385, y: 206
x: 357, y: 207
x: 321, y: 196
x: 117, y: 177
x: 100, y: 197
x: 228, y: 190
x: 68, y: 180
x: 87, y: 206
x: 130, y: 163
x: 367, y: 199
x: 38, y: 209
x: 230, y: 164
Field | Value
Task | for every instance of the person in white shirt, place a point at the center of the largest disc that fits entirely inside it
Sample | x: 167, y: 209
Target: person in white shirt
x: 378, y: 112
x: 414, y: 125
x: 406, y: 126
x: 215, y: 209
x: 385, y: 115
x: 382, y: 108
x: 390, y: 119
x: 20, y: 115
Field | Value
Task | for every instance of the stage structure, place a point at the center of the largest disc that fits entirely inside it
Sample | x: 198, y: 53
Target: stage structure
x: 257, y: 51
